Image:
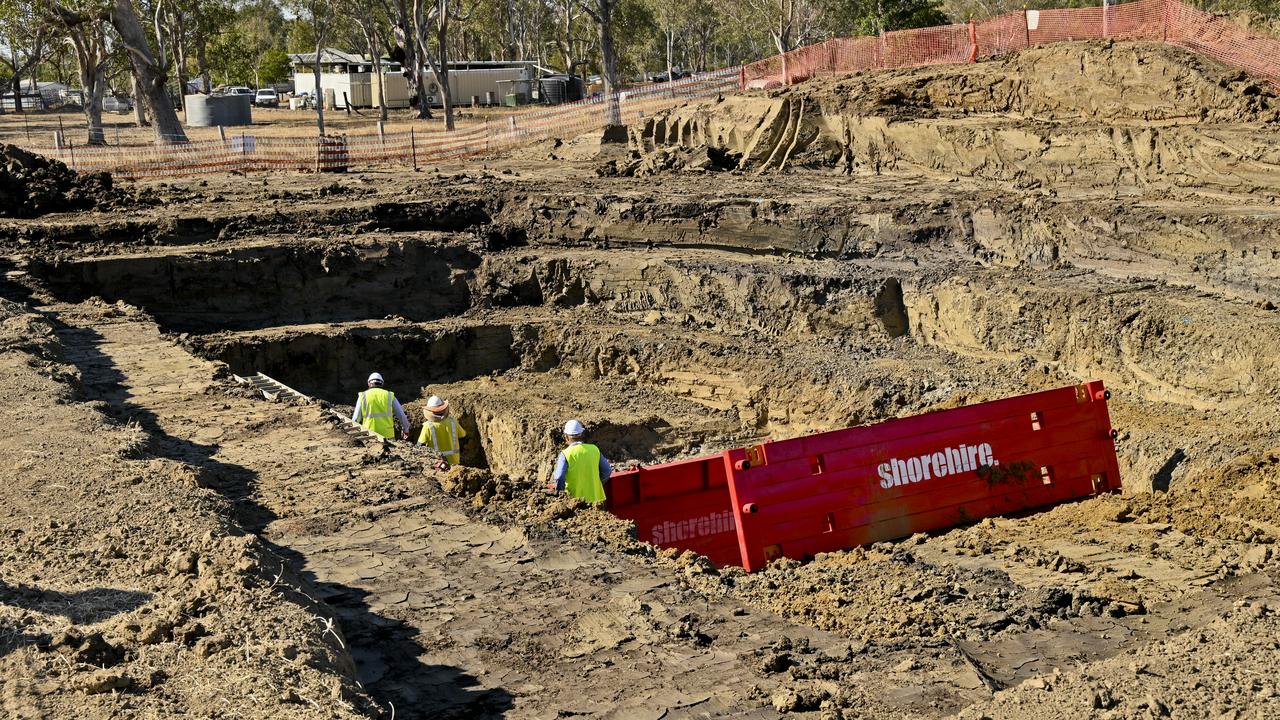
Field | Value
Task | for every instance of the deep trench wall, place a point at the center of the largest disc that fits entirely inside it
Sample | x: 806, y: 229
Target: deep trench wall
x: 518, y: 421
x: 1162, y: 343
x: 763, y: 294
x: 411, y: 358
x: 745, y: 226
x: 276, y: 285
x: 1236, y: 249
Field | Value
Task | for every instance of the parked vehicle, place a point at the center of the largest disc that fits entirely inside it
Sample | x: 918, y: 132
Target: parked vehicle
x: 676, y: 74
x: 266, y: 97
x: 117, y: 104
x: 238, y: 90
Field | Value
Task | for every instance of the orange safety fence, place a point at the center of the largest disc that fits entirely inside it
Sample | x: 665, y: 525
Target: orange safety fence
x: 1170, y: 21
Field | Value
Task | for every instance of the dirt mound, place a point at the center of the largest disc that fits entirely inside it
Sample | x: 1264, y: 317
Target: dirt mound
x: 1092, y: 114
x: 32, y: 185
x: 1090, y: 80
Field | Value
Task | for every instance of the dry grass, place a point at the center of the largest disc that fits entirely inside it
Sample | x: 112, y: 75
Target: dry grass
x: 36, y: 129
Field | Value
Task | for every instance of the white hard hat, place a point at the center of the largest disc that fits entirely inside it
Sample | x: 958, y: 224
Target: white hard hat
x: 436, y: 404
x: 573, y: 428
x: 375, y: 378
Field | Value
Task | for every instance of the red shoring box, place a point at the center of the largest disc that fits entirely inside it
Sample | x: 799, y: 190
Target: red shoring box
x: 840, y: 489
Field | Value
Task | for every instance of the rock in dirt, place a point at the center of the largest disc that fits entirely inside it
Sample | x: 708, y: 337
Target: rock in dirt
x: 101, y: 681
x: 183, y: 563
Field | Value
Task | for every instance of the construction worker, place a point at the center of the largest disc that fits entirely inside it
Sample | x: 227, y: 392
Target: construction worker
x: 377, y: 409
x: 581, y: 469
x: 441, y: 431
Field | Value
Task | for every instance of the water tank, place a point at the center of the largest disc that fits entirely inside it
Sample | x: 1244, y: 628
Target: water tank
x: 213, y: 110
x: 573, y: 89
x: 554, y: 87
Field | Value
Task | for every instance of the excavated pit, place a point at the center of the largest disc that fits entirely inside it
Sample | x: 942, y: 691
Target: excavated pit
x: 716, y: 347
x: 202, y: 290
x: 886, y: 244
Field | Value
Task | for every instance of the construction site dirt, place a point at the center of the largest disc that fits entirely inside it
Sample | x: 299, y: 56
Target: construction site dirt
x: 803, y: 259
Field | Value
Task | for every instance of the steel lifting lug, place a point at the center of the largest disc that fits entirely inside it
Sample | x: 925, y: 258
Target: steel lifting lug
x: 749, y: 509
x: 742, y: 465
x: 1104, y: 395
x: 1114, y: 434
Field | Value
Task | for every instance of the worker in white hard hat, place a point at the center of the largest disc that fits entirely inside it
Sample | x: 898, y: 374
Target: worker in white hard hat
x: 377, y: 409
x: 441, y: 431
x: 581, y: 469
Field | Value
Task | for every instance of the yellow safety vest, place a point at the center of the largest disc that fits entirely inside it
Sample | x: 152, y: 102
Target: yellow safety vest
x: 443, y: 435
x: 582, y: 477
x: 375, y: 411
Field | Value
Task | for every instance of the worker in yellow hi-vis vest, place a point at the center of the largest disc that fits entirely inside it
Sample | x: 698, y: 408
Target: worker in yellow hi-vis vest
x: 581, y: 469
x: 377, y: 409
x: 441, y: 431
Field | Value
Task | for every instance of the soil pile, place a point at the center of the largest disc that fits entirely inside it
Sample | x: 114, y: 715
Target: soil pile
x: 32, y: 185
x: 1090, y: 114
x: 1087, y: 80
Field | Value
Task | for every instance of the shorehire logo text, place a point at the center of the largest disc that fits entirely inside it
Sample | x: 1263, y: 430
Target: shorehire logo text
x: 675, y: 531
x: 948, y: 461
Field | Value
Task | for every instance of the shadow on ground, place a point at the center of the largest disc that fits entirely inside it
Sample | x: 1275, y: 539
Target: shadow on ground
x: 416, y: 689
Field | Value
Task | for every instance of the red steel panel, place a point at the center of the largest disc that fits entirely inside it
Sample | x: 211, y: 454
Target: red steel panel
x: 835, y: 490
x: 683, y: 505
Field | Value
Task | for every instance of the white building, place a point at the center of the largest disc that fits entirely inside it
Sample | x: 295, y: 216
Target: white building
x: 350, y: 79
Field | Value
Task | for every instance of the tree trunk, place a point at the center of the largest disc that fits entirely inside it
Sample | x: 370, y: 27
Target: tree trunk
x: 178, y: 47
x: 17, y: 92
x: 512, y: 53
x: 35, y: 79
x: 94, y: 83
x: 375, y: 54
x: 139, y: 110
x: 407, y: 36
x: 446, y: 94
x: 609, y: 60
x: 202, y: 47
x: 442, y: 72
x: 670, y: 33
x: 180, y: 62
x: 150, y: 75
x: 315, y: 69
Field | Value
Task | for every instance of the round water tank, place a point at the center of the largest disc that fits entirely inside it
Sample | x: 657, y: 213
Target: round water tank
x: 213, y: 110
x: 573, y: 89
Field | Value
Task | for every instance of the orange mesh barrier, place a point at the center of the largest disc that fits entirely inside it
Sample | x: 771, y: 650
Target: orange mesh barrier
x: 1153, y: 20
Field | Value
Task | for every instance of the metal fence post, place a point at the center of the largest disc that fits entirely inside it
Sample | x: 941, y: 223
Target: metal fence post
x: 413, y: 149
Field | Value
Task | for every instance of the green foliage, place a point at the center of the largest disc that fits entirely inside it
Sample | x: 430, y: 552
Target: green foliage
x: 274, y: 67
x: 301, y: 36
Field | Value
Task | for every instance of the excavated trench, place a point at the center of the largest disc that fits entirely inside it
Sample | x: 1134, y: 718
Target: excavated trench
x: 670, y: 352
x: 679, y: 351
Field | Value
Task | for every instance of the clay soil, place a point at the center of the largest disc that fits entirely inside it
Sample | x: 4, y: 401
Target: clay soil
x: 846, y: 251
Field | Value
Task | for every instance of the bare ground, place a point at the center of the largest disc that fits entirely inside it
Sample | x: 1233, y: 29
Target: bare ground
x: 696, y: 307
